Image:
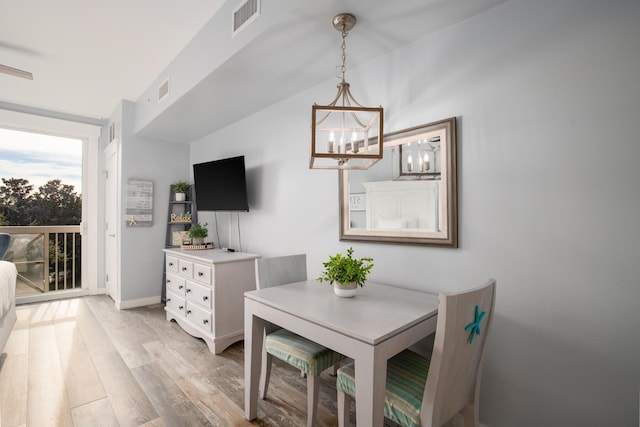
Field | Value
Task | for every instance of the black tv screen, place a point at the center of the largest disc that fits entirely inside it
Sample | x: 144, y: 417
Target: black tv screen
x: 221, y: 185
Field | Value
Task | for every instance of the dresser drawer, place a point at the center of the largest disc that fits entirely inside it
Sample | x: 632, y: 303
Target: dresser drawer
x: 199, y: 316
x: 172, y: 264
x: 199, y: 293
x: 202, y: 273
x: 186, y: 268
x: 176, y: 303
x: 205, y: 293
x: 175, y: 284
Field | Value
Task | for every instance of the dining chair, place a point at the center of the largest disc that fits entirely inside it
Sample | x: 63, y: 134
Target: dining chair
x: 427, y: 392
x: 5, y: 242
x: 311, y: 358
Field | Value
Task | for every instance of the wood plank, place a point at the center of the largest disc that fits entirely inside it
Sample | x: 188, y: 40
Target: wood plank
x: 96, y: 339
x: 80, y: 377
x: 126, y: 331
x: 47, y: 402
x: 18, y: 342
x: 172, y: 404
x: 96, y: 413
x: 190, y: 381
x: 154, y: 423
x: 13, y: 389
x: 163, y: 377
x: 129, y: 402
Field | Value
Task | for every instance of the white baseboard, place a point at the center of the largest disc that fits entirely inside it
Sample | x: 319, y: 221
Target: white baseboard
x: 124, y: 305
x: 458, y: 421
x: 50, y: 296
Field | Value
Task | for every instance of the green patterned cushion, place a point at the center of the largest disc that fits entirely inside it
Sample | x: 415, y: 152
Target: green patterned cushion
x: 308, y: 356
x: 406, y: 378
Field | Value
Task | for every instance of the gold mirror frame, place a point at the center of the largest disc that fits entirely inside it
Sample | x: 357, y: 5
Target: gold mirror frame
x: 417, y: 205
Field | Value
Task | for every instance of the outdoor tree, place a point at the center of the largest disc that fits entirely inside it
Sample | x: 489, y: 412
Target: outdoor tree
x: 54, y: 203
x: 16, y: 201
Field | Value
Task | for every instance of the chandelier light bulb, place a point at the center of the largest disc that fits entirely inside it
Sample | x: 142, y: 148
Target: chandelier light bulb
x: 331, y: 145
x: 354, y: 144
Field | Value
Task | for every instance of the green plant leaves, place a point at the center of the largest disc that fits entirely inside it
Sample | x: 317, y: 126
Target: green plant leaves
x: 346, y: 269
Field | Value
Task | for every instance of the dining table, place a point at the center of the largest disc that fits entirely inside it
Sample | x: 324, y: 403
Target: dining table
x: 377, y: 323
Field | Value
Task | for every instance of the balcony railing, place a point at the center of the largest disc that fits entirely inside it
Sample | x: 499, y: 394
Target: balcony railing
x: 47, y: 257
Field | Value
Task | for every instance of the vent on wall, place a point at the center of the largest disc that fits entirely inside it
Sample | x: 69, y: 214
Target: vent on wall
x: 244, y: 14
x: 163, y: 90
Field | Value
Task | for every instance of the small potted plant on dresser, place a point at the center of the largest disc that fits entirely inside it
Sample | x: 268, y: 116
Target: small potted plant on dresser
x: 346, y: 273
x: 180, y: 189
x: 197, y: 233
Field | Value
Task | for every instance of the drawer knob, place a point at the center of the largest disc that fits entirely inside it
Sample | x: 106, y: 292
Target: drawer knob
x: 188, y: 290
x: 180, y: 287
x: 205, y: 298
x: 170, y: 264
x: 188, y: 311
x: 168, y: 280
x: 181, y: 307
x: 205, y: 321
x: 200, y: 273
x: 184, y: 268
x: 168, y: 299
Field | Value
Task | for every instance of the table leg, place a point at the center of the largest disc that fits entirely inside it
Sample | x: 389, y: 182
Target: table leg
x: 253, y: 341
x: 371, y: 378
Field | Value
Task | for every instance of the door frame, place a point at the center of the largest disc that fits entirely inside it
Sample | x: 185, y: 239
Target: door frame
x: 112, y: 224
x: 89, y: 130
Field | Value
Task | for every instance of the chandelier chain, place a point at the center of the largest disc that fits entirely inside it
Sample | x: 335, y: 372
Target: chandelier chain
x: 343, y: 49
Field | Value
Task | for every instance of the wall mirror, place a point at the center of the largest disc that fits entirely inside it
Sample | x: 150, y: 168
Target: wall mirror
x: 410, y: 196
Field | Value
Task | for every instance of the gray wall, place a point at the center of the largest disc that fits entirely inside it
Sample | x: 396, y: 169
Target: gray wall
x: 163, y: 163
x: 547, y: 96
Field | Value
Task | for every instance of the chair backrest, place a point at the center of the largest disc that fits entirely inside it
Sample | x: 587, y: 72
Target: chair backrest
x: 276, y: 271
x: 280, y: 270
x: 5, y: 242
x: 453, y: 382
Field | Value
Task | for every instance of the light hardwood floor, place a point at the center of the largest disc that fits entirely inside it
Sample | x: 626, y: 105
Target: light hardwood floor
x: 81, y: 362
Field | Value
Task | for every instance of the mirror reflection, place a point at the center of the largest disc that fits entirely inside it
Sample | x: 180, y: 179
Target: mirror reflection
x: 410, y: 195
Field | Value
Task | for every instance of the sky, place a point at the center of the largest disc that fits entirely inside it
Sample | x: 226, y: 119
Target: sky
x: 40, y: 158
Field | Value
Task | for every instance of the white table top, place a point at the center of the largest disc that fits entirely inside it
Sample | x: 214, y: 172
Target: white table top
x: 376, y: 313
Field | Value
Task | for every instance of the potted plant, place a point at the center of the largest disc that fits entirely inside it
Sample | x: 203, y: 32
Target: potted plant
x: 346, y: 273
x: 181, y: 189
x: 197, y: 233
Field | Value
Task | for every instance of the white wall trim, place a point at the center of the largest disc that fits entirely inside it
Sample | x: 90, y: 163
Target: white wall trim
x: 133, y: 303
x: 51, y: 296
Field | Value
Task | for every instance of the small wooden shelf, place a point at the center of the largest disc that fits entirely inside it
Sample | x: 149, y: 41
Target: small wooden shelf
x: 179, y: 208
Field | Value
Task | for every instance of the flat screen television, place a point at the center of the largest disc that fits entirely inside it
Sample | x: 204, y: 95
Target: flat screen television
x: 221, y: 185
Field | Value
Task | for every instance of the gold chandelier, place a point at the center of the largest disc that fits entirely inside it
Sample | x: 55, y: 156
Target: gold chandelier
x: 346, y: 135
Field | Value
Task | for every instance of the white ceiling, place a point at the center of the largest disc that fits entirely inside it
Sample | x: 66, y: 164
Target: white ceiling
x: 88, y: 55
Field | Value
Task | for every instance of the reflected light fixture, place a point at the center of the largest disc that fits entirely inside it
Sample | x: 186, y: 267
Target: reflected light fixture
x: 418, y: 159
x: 345, y: 134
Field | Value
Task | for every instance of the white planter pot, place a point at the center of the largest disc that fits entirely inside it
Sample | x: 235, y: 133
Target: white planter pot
x: 346, y: 290
x: 197, y: 241
x: 181, y: 197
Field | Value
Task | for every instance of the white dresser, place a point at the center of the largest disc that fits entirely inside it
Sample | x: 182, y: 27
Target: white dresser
x: 205, y: 293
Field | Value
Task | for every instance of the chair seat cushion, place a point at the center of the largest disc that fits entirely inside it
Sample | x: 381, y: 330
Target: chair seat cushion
x: 406, y: 379
x: 308, y: 356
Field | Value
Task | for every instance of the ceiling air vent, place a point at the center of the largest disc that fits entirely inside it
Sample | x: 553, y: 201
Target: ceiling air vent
x: 244, y: 14
x: 163, y: 90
